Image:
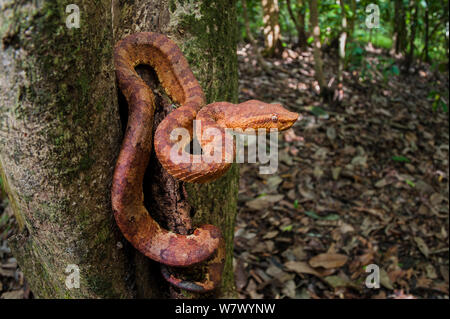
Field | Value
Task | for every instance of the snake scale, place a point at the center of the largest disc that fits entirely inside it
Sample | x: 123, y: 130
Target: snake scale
x: 178, y: 81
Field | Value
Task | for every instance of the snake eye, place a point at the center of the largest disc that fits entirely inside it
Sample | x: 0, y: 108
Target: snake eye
x: 274, y: 118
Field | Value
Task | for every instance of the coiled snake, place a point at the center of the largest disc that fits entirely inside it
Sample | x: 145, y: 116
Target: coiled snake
x: 175, y: 76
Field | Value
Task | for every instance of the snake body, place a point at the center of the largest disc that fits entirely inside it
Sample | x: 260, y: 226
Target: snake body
x: 175, y: 76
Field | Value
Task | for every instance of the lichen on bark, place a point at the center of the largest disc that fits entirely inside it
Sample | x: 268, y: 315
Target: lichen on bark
x: 207, y: 35
x: 58, y: 144
x: 60, y: 135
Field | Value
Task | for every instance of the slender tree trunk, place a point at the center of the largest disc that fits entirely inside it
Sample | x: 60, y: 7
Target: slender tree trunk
x: 318, y: 62
x: 299, y: 22
x: 272, y: 30
x: 341, y: 51
x: 395, y: 26
x: 427, y: 30
x: 301, y: 13
x: 60, y: 134
x: 413, y: 27
x: 351, y: 21
x: 264, y: 65
x: 400, y: 16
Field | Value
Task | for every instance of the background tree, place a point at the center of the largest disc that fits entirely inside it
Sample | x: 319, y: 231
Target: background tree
x: 414, y: 13
x: 61, y: 133
x: 341, y: 50
x: 426, y: 56
x: 399, y: 27
x: 318, y: 63
x: 299, y: 21
x: 272, y: 30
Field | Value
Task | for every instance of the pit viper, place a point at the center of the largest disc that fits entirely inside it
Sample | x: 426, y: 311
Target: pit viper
x: 178, y: 81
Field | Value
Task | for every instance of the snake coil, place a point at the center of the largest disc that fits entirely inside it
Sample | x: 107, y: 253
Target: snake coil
x: 175, y: 76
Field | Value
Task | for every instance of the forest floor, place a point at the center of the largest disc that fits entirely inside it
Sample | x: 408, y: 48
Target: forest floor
x: 362, y: 183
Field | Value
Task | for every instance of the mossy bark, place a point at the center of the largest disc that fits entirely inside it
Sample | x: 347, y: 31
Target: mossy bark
x: 60, y: 134
x: 206, y: 33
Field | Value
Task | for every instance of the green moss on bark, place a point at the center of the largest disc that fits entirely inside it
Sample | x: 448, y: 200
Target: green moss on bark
x: 211, y: 51
x: 62, y: 147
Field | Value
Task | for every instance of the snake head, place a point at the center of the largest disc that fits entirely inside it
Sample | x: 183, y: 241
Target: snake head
x: 259, y: 115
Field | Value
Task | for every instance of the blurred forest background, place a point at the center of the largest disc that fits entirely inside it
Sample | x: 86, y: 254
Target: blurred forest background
x: 363, y: 177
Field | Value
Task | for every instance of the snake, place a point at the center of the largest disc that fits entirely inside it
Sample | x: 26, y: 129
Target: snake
x: 204, y: 243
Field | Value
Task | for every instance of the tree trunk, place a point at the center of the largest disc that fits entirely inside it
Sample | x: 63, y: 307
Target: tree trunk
x: 352, y: 20
x: 60, y: 134
x: 400, y: 27
x: 272, y: 30
x: 302, y: 37
x: 427, y: 30
x: 413, y: 27
x: 253, y: 42
x: 318, y: 63
x: 341, y: 51
x: 299, y: 22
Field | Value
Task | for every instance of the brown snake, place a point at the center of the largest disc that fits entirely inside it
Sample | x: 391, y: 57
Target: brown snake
x: 175, y: 76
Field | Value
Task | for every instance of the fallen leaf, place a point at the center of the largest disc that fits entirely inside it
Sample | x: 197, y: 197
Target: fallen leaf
x: 328, y: 260
x: 431, y: 272
x: 289, y: 289
x: 240, y: 275
x: 444, y: 272
x: 335, y: 172
x: 15, y: 294
x: 385, y: 281
x: 331, y: 133
x: 301, y: 267
x: 337, y: 281
x: 263, y: 202
x: 271, y: 234
x: 422, y: 246
x: 273, y: 182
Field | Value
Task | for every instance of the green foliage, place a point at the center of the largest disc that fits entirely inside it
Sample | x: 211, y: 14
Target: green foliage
x: 2, y: 189
x: 254, y: 12
x: 401, y: 159
x: 370, y: 67
x: 438, y: 101
x: 317, y: 111
x: 330, y: 22
x: 410, y: 183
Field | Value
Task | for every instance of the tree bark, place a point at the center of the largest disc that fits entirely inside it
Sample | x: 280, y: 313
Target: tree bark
x: 253, y: 42
x: 342, y: 42
x: 317, y: 52
x: 272, y: 30
x: 400, y: 27
x: 341, y: 52
x: 302, y: 37
x: 427, y: 30
x: 299, y: 22
x: 60, y: 134
x: 414, y: 5
x: 352, y: 20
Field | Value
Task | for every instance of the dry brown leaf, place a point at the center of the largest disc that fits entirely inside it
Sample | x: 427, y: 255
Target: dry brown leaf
x: 328, y: 260
x: 263, y: 202
x: 301, y: 267
x: 422, y: 246
x: 240, y: 275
